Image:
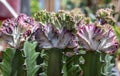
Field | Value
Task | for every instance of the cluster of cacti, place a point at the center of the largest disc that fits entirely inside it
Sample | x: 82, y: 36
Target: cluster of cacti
x: 65, y: 43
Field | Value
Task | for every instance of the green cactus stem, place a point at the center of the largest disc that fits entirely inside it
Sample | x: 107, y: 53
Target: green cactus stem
x: 12, y: 64
x: 97, y: 64
x: 54, y: 62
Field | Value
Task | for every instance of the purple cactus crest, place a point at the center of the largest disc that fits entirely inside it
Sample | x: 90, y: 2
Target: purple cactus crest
x: 91, y: 37
x: 96, y: 38
x: 15, y: 31
x: 50, y: 37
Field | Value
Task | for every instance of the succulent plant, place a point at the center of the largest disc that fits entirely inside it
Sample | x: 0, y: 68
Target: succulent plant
x: 50, y: 37
x: 95, y: 38
x: 57, y: 36
x: 54, y: 41
x: 43, y: 16
x: 15, y: 31
x: 100, y: 43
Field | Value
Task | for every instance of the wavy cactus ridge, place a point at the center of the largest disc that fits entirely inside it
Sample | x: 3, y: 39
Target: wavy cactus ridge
x: 105, y: 41
x: 12, y: 64
x: 30, y: 58
x: 99, y: 64
x: 16, y: 30
x: 50, y: 37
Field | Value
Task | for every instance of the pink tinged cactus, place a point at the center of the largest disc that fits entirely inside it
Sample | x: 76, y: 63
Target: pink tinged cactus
x: 49, y: 37
x: 97, y: 39
x: 15, y: 31
x: 55, y: 40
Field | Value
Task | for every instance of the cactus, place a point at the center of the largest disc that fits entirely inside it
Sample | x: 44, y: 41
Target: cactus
x: 60, y: 44
x: 54, y: 37
x: 15, y: 32
x: 100, y: 42
x: 54, y: 62
x: 98, y: 64
x: 30, y: 58
x: 12, y: 64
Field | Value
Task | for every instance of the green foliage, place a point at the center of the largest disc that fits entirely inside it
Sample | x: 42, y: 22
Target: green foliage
x: 117, y: 31
x: 12, y: 64
x: 61, y: 19
x: 97, y: 64
x: 108, y: 65
x: 88, y: 64
x: 13, y: 60
x: 43, y: 16
x: 30, y: 58
x: 54, y: 62
x: 107, y: 1
x: 44, y: 62
x: 34, y: 6
x: 7, y: 61
x: 71, y: 65
x: 92, y: 65
x: 64, y: 19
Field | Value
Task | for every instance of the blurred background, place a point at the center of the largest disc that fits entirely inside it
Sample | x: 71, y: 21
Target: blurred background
x: 29, y: 7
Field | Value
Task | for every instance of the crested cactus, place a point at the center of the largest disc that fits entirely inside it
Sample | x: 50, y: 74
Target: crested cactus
x: 100, y: 44
x: 15, y: 32
x: 54, y: 37
x: 60, y: 44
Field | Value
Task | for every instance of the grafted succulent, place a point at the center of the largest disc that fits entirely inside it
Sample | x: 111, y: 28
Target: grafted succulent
x: 49, y: 37
x: 57, y: 34
x: 97, y: 39
x: 15, y: 31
